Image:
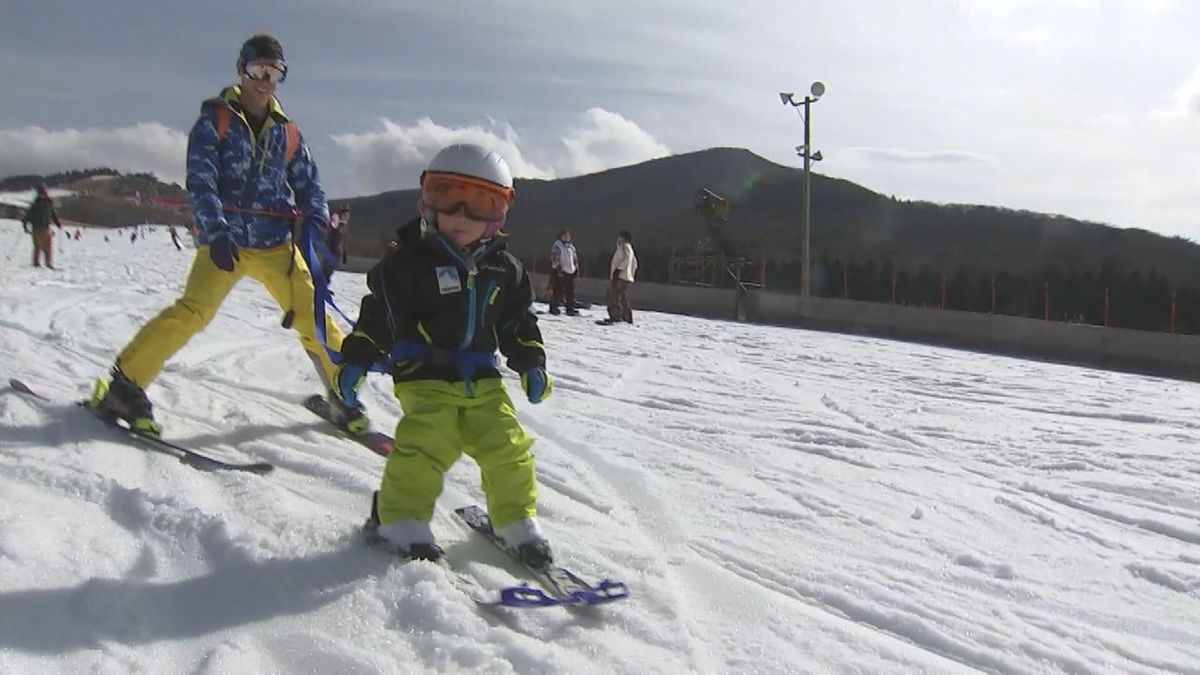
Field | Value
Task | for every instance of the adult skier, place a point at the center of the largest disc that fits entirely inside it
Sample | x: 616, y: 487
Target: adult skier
x: 248, y: 171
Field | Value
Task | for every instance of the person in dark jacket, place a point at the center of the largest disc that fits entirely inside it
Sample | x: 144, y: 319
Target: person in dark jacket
x: 440, y: 304
x: 36, y: 222
x: 332, y: 249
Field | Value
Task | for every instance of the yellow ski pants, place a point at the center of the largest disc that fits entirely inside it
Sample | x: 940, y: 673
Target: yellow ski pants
x: 207, y: 286
x: 440, y: 423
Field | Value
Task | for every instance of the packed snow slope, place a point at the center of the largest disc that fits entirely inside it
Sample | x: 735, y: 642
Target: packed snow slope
x: 777, y: 500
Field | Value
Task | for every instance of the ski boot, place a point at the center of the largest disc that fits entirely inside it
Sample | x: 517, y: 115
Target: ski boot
x: 123, y: 399
x: 352, y: 419
x: 413, y: 551
x: 525, y: 537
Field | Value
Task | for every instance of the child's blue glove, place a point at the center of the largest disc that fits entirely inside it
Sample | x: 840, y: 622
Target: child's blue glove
x: 348, y: 377
x: 537, y: 384
x: 224, y: 252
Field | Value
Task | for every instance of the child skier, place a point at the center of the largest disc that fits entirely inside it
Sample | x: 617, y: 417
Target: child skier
x: 439, y: 306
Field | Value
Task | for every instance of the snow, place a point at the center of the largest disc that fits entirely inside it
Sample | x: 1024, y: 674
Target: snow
x: 24, y: 198
x: 777, y: 500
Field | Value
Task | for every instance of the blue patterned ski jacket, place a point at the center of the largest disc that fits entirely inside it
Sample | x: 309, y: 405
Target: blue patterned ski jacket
x: 245, y: 171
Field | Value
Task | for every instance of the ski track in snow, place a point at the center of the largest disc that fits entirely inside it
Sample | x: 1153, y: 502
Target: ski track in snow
x: 777, y: 500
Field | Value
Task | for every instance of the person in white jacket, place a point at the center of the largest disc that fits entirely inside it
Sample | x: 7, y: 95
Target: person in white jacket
x: 621, y: 273
x: 564, y: 267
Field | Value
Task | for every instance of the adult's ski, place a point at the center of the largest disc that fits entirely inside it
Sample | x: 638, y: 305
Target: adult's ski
x: 185, y: 455
x: 375, y: 441
x: 560, y: 586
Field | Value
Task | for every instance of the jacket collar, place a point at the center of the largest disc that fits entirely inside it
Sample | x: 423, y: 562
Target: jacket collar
x: 231, y: 95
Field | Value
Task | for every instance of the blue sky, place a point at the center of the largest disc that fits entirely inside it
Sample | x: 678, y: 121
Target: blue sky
x: 1082, y: 107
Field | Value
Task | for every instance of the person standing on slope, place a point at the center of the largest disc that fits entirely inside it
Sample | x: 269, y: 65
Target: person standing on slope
x: 36, y: 222
x: 621, y: 271
x: 440, y: 304
x: 246, y: 164
x: 564, y: 267
x: 332, y: 249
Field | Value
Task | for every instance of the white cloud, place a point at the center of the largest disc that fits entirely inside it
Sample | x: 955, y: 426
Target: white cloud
x: 907, y: 156
x: 393, y: 158
x: 608, y: 140
x: 1185, y: 100
x: 148, y: 146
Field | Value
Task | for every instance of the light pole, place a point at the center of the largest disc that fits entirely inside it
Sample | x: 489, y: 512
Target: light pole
x: 815, y: 92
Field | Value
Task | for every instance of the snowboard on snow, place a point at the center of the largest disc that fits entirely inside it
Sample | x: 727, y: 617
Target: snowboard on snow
x: 192, y: 458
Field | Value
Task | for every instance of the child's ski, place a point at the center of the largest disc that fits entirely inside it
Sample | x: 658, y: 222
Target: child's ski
x: 561, y: 586
x: 188, y: 456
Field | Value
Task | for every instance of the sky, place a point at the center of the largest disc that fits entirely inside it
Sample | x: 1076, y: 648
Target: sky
x: 1087, y: 108
x: 777, y: 501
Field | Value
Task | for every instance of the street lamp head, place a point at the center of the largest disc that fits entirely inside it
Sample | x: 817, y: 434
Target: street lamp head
x: 817, y: 89
x: 817, y: 156
x: 786, y: 98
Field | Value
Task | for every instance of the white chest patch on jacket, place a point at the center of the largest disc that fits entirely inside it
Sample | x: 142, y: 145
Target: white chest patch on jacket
x: 448, y: 280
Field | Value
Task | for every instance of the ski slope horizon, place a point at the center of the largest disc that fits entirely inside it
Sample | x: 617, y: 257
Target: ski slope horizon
x: 777, y: 500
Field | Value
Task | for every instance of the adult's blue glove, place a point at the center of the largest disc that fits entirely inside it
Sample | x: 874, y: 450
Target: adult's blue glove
x: 537, y: 385
x: 224, y: 252
x: 348, y: 377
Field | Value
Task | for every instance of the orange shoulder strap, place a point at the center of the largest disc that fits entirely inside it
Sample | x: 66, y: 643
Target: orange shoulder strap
x: 293, y: 142
x: 222, y: 121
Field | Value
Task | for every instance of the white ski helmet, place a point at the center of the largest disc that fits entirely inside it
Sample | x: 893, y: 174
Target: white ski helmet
x: 472, y: 164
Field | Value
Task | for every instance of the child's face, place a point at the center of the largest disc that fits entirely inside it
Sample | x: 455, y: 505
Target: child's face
x: 460, y: 229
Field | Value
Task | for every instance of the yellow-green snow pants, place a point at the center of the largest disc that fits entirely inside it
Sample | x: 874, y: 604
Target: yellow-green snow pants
x: 207, y: 286
x: 440, y: 423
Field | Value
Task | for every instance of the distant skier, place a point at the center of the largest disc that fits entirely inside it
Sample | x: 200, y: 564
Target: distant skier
x: 621, y: 273
x: 564, y: 267
x: 175, y: 238
x: 78, y: 234
x: 439, y: 306
x: 36, y: 222
x: 244, y: 157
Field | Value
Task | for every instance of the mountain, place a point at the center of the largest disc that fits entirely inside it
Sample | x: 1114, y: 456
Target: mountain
x: 654, y: 200
x: 108, y: 198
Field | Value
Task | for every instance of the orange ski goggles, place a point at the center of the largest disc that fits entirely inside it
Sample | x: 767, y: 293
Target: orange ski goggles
x: 481, y: 200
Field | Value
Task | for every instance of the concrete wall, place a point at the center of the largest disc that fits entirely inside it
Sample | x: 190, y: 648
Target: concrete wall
x: 1162, y: 354
x: 1176, y: 356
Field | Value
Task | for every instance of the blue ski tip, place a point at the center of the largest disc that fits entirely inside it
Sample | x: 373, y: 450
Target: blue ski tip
x: 529, y: 596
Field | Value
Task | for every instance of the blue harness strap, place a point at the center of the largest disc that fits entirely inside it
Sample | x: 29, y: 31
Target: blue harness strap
x: 464, y: 361
x: 322, y: 296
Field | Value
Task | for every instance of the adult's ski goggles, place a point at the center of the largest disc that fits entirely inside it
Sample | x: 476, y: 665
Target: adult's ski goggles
x: 274, y: 72
x: 481, y: 200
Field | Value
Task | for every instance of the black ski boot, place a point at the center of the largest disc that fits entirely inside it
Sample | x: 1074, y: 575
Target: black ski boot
x: 123, y: 399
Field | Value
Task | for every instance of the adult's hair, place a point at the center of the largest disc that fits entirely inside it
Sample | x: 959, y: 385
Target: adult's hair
x: 624, y: 234
x: 344, y: 209
x: 261, y: 46
x: 565, y: 230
